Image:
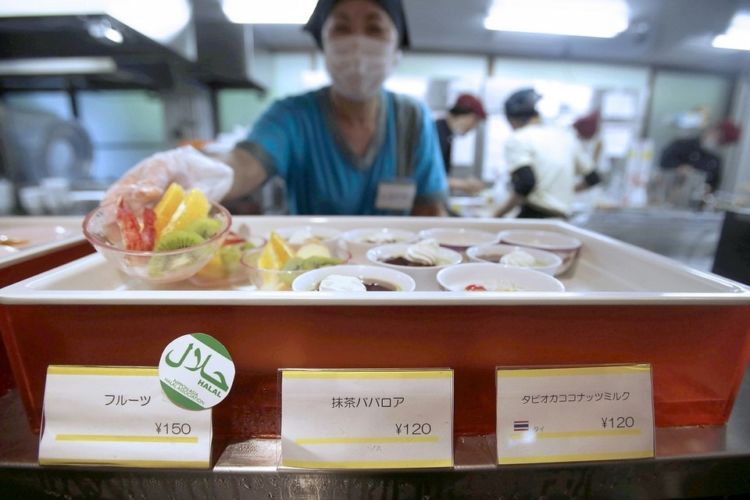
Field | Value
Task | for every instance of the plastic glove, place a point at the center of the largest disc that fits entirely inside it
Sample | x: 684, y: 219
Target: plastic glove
x: 145, y: 183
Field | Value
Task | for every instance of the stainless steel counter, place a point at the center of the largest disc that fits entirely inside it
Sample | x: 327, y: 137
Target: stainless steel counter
x: 690, y: 462
x: 686, y: 236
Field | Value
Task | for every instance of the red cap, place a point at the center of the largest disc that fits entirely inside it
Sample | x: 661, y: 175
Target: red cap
x: 467, y: 102
x: 587, y: 125
x: 729, y: 133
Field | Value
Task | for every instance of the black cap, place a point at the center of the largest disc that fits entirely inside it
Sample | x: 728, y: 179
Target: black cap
x: 394, y: 9
x: 522, y: 103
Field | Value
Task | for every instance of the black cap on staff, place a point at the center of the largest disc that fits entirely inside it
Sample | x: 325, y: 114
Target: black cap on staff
x: 394, y: 9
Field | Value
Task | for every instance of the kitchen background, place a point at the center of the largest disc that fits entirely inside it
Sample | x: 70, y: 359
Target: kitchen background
x: 88, y: 88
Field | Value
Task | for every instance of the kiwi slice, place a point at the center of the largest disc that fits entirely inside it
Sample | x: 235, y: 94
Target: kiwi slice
x: 205, y: 227
x: 317, y: 261
x: 175, y: 240
x: 230, y: 258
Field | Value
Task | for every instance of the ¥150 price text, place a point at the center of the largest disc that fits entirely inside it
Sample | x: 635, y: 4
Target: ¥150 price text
x: 173, y: 428
x: 618, y: 422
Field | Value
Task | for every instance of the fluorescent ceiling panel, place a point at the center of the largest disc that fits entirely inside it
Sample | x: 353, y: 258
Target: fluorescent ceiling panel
x: 588, y: 18
x: 57, y: 66
x: 737, y: 36
x: 268, y: 11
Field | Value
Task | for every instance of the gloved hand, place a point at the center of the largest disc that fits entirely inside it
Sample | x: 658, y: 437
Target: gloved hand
x: 145, y: 183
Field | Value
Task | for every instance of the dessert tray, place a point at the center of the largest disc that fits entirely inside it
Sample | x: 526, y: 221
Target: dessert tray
x: 622, y: 304
x: 607, y: 272
x: 39, y: 236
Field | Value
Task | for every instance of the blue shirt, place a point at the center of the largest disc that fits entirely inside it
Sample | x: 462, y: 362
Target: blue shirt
x: 297, y: 139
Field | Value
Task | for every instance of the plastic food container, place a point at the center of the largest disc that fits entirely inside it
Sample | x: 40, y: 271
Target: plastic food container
x: 622, y: 305
x: 565, y: 246
x: 151, y: 266
x: 483, y: 276
x: 545, y: 262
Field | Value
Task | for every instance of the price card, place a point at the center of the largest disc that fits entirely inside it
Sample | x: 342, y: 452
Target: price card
x: 574, y: 414
x: 119, y: 417
x: 376, y: 419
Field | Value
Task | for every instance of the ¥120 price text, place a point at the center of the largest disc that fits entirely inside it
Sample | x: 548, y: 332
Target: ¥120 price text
x: 173, y: 428
x: 618, y: 422
x: 415, y: 429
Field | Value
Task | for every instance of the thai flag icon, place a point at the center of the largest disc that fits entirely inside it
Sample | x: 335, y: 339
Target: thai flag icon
x: 520, y: 425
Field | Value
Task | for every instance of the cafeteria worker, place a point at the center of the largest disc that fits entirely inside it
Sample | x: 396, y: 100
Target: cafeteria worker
x: 352, y: 148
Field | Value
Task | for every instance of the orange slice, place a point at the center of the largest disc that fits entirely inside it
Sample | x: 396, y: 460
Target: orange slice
x: 194, y: 206
x: 275, y: 254
x: 167, y: 206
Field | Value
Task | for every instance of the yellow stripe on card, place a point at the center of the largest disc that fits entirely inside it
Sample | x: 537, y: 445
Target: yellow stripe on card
x: 530, y: 435
x: 583, y: 457
x: 357, y: 375
x: 565, y: 372
x: 111, y: 371
x: 367, y: 464
x: 151, y: 464
x: 108, y: 438
x: 367, y: 440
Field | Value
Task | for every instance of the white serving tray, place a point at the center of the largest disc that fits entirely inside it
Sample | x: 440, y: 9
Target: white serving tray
x: 608, y: 272
x: 45, y: 235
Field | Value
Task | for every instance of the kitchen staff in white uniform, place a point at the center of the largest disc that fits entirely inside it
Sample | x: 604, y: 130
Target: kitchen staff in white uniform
x: 547, y: 163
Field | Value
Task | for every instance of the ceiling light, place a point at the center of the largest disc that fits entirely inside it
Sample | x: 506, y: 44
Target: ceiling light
x: 57, y: 66
x: 265, y: 12
x: 737, y: 36
x: 590, y: 18
x: 102, y: 30
x: 160, y: 20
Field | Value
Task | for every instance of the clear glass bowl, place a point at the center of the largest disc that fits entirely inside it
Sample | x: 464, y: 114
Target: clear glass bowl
x: 279, y: 280
x: 154, y: 267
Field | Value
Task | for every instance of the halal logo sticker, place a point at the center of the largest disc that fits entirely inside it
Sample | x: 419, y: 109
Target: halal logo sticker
x: 196, y: 371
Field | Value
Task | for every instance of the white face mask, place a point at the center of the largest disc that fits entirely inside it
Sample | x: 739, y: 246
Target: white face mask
x: 359, y: 65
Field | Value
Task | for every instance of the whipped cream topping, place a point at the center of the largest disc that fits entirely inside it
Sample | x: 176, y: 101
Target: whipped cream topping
x: 301, y: 236
x: 341, y: 283
x: 425, y: 252
x: 518, y: 258
x: 381, y: 238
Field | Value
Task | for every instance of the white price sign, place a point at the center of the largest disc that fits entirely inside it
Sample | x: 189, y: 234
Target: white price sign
x: 119, y: 416
x: 375, y: 419
x: 574, y: 414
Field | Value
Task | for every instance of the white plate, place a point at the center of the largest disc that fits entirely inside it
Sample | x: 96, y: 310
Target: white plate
x: 44, y: 235
x: 609, y: 272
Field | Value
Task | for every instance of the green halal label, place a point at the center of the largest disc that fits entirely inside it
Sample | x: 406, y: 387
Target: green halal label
x: 196, y: 371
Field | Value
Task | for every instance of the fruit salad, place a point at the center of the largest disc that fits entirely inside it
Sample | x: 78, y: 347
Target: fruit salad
x: 278, y: 264
x: 179, y: 221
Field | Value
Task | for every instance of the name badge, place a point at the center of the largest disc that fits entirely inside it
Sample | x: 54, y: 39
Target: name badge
x: 380, y: 419
x: 119, y: 417
x: 396, y: 195
x: 574, y: 414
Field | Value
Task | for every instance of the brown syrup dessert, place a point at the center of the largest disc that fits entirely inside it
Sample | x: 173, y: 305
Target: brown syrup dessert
x: 378, y: 286
x: 491, y: 257
x: 402, y: 261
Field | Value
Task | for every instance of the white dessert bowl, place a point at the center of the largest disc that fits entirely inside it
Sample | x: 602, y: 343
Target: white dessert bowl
x: 496, y: 278
x: 424, y: 276
x: 358, y: 244
x: 459, y: 239
x: 310, y: 280
x: 566, y: 247
x: 545, y: 262
x: 328, y: 236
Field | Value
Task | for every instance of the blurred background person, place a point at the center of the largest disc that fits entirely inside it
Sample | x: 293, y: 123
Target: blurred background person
x: 700, y: 154
x: 348, y: 149
x: 587, y: 131
x: 464, y: 116
x: 547, y: 163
